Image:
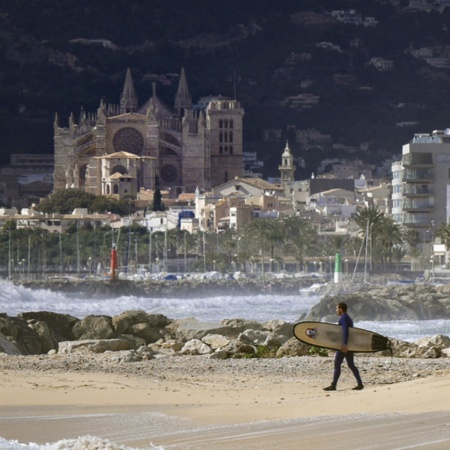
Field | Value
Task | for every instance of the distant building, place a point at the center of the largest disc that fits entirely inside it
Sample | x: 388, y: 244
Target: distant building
x: 287, y: 167
x: 26, y: 179
x: 420, y: 184
x: 152, y: 145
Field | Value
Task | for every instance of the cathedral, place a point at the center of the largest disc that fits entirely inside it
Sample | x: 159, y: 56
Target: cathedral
x: 124, y: 148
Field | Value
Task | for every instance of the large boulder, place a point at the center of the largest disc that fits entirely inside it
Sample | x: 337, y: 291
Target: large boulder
x: 186, y: 329
x: 293, y: 347
x: 150, y: 327
x: 195, y: 347
x: 6, y: 346
x: 17, y: 331
x: 48, y: 341
x: 60, y: 324
x: 384, y: 303
x: 94, y: 327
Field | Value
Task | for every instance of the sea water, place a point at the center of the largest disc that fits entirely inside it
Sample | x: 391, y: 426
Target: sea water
x: 15, y: 299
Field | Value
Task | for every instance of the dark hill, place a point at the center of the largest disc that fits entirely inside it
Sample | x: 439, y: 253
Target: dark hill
x: 262, y: 51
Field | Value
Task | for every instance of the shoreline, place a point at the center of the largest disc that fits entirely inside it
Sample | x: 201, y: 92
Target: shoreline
x: 193, y: 402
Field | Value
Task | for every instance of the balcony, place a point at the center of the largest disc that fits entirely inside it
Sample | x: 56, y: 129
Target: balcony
x: 416, y: 205
x: 416, y: 190
x: 411, y: 160
x: 417, y: 176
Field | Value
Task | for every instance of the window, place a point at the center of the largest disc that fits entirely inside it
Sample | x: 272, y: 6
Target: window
x: 230, y: 136
x: 231, y: 123
x: 116, y: 189
x: 220, y: 136
x: 226, y: 123
x: 220, y: 149
x: 231, y: 149
x: 220, y: 123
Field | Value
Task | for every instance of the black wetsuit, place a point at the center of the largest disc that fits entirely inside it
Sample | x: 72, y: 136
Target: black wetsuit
x: 345, y: 321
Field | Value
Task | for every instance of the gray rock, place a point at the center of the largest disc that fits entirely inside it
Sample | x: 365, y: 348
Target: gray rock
x: 94, y: 327
x: 17, y: 331
x: 94, y: 345
x: 215, y: 341
x: 293, y: 347
x: 60, y: 324
x: 195, y: 347
x: 7, y: 346
x: 48, y: 341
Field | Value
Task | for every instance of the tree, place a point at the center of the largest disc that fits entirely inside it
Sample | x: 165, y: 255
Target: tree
x: 300, y: 238
x: 158, y: 204
x: 267, y: 234
x: 65, y: 201
x: 444, y: 233
x: 387, y: 238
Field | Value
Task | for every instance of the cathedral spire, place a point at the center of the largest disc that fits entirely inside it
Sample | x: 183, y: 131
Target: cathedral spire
x: 183, y: 98
x: 287, y: 167
x: 128, y: 99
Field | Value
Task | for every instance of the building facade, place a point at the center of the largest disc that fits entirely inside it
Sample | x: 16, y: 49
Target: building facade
x: 420, y: 185
x: 175, y: 149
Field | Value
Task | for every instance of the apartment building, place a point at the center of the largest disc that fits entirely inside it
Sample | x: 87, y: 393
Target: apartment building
x: 421, y: 183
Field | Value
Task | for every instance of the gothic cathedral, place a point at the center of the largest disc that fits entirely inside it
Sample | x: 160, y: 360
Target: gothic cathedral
x: 125, y: 148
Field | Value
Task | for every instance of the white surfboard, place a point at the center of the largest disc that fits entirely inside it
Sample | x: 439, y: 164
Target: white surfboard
x: 329, y: 335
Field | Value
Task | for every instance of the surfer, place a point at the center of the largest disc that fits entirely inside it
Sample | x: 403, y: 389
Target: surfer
x: 345, y: 321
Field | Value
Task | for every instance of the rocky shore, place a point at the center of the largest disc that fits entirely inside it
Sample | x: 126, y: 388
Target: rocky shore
x: 137, y: 336
x: 174, y: 288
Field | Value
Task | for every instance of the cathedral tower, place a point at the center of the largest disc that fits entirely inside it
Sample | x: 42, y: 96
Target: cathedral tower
x: 287, y: 167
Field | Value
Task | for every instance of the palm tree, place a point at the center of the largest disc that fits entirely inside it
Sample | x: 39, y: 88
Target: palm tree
x: 443, y: 232
x: 300, y: 238
x: 388, y: 236
x: 265, y: 234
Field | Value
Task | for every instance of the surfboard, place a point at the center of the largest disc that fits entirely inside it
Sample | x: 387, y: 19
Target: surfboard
x: 329, y: 335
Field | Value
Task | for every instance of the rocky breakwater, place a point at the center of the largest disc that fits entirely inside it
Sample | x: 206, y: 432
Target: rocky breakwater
x: 173, y: 288
x: 385, y: 302
x: 135, y: 336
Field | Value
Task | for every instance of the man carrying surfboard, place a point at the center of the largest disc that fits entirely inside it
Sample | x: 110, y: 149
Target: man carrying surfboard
x: 345, y: 321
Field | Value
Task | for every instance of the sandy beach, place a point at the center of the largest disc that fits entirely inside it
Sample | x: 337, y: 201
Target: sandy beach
x: 197, y: 403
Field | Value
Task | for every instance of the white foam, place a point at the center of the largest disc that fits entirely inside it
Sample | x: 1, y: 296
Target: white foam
x: 81, y: 443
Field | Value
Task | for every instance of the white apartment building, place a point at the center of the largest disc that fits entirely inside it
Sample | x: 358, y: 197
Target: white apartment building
x: 421, y: 183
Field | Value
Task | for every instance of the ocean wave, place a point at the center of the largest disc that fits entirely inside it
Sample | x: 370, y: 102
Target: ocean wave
x: 81, y: 443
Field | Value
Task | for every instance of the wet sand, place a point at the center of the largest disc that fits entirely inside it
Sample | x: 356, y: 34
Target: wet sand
x: 228, y: 405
